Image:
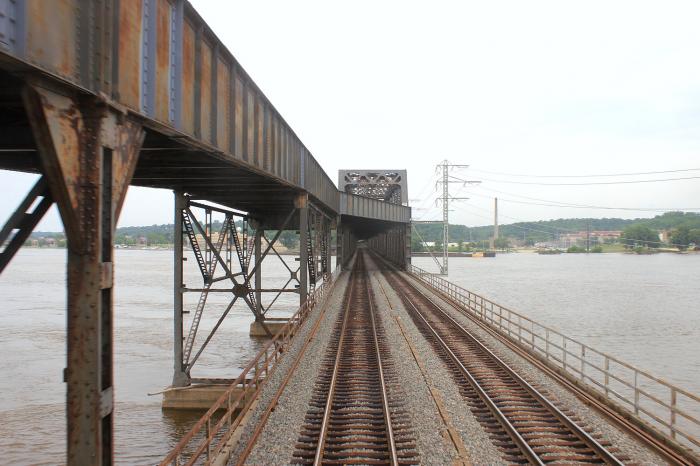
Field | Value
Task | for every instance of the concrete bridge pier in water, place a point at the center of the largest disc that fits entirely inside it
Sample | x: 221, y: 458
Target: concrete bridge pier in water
x: 97, y: 96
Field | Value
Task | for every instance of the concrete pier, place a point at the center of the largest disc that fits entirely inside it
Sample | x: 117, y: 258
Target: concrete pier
x: 273, y: 324
x: 200, y: 397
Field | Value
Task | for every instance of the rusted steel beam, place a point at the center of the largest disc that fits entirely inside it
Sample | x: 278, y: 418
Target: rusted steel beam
x: 302, y: 204
x: 24, y: 221
x: 88, y: 152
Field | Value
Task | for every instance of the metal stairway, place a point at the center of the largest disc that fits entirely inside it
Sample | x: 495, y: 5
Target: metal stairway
x: 197, y: 317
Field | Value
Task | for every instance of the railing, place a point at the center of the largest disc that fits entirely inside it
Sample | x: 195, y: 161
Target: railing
x: 211, y: 433
x: 672, y: 411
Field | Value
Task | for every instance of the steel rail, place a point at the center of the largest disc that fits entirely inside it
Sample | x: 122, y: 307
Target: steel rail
x: 647, y: 435
x: 592, y: 443
x: 512, y: 432
x: 318, y: 458
x: 275, y: 400
x: 393, y: 456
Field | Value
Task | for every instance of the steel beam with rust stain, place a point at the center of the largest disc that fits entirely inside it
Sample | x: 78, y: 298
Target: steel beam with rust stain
x: 88, y: 151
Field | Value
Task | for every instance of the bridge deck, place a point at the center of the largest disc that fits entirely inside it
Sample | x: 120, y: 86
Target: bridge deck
x: 210, y: 130
x: 478, y: 399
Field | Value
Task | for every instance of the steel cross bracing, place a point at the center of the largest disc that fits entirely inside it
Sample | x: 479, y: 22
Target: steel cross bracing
x: 115, y: 103
x: 23, y: 220
x: 216, y: 252
x: 238, y: 259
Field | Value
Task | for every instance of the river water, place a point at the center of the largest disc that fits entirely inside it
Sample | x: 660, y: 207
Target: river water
x: 643, y: 309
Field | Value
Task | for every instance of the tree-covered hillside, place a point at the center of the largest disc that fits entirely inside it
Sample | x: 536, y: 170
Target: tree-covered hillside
x: 530, y: 232
x: 545, y: 230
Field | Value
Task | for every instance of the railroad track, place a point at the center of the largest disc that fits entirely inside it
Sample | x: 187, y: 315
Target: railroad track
x: 356, y: 414
x: 521, y: 421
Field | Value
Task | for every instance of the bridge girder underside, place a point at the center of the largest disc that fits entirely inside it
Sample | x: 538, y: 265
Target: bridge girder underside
x: 163, y: 163
x: 87, y: 152
x: 390, y: 239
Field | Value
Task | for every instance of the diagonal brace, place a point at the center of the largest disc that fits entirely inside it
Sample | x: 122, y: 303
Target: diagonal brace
x: 270, y: 243
x: 24, y: 221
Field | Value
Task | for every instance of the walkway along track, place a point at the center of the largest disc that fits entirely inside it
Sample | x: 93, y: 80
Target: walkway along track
x: 355, y: 414
x: 523, y: 423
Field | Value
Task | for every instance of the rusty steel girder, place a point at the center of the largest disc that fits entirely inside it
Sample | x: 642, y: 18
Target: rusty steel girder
x: 88, y: 151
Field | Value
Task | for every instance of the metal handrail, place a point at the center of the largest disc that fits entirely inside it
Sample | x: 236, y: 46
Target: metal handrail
x: 251, y: 380
x: 615, y: 379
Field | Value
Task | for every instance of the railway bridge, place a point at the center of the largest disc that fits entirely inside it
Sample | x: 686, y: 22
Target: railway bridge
x: 96, y: 96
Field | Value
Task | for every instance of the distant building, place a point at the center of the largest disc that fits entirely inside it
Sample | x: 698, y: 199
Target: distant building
x: 665, y: 236
x: 428, y: 244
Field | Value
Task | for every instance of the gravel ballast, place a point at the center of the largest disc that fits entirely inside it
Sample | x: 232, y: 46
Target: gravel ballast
x: 428, y: 426
x: 479, y: 446
x: 276, y: 442
x: 624, y: 444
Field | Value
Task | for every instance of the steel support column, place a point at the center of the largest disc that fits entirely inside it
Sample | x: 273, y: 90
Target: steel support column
x: 407, y: 246
x: 88, y: 153
x: 302, y: 204
x: 258, y: 273
x: 180, y: 377
x: 339, y: 240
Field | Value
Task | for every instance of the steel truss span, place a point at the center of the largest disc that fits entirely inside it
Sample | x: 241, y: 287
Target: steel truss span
x: 356, y: 414
x: 523, y: 422
x: 97, y: 96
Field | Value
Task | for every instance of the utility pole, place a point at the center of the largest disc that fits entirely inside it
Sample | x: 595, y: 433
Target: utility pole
x: 588, y: 236
x: 495, y: 223
x: 446, y: 166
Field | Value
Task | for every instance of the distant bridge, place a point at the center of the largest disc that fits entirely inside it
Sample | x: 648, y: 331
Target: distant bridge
x: 99, y: 95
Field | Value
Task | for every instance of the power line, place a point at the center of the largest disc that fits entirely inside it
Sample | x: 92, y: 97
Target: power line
x: 587, y: 176
x: 593, y: 183
x: 551, y: 203
x: 576, y: 206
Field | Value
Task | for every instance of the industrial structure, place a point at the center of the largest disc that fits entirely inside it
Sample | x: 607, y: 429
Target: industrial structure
x: 96, y: 96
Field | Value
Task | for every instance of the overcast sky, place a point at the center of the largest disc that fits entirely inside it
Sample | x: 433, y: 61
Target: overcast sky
x: 524, y: 88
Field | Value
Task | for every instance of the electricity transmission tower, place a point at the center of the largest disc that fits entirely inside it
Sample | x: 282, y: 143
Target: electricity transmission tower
x: 446, y: 198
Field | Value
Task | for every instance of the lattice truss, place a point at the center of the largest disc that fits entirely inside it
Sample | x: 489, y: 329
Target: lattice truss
x: 223, y: 248
x: 318, y: 246
x: 385, y: 186
x: 226, y: 252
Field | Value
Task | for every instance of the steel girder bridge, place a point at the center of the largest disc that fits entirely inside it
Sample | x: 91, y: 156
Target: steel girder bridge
x: 98, y: 95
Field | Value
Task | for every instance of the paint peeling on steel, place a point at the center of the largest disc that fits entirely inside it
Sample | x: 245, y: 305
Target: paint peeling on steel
x: 148, y: 57
x: 259, y: 122
x: 222, y: 98
x: 162, y: 61
x: 129, y: 53
x: 188, y: 73
x: 238, y: 117
x: 205, y: 92
x: 167, y: 60
x: 174, y: 70
x: 250, y: 124
x: 52, y: 36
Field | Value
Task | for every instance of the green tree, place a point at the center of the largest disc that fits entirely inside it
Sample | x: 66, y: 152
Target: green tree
x: 288, y: 238
x: 694, y: 236
x: 640, y: 235
x: 680, y: 237
x: 501, y: 243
